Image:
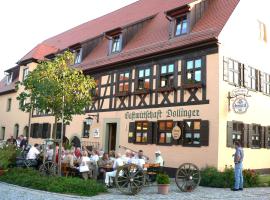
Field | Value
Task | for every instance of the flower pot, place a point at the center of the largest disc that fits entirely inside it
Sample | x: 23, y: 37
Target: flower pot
x: 163, y: 188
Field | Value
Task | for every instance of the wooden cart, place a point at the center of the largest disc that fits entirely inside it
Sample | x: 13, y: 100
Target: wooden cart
x: 130, y: 179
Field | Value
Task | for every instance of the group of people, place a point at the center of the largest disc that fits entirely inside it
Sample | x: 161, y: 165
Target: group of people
x: 20, y: 142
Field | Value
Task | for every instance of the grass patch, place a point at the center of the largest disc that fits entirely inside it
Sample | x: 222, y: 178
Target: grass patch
x: 264, y: 180
x: 65, y: 185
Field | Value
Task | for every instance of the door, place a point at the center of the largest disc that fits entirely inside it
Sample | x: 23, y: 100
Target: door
x: 112, y: 136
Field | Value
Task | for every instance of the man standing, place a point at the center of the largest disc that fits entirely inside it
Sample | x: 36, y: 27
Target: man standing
x: 238, y: 161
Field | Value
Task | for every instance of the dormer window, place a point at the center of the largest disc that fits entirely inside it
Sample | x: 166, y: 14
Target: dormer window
x: 9, y: 78
x: 78, y: 56
x: 181, y: 25
x: 116, y: 44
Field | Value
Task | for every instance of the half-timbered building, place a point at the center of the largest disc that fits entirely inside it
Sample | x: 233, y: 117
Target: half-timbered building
x: 174, y: 76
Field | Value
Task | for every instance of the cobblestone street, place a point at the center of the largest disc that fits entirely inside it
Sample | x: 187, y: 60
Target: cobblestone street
x: 10, y: 192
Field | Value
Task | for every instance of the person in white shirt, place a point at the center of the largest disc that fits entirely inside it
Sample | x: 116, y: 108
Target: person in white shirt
x: 117, y: 163
x: 33, y: 153
x: 159, y: 159
x: 50, y: 153
x: 126, y: 158
x: 94, y: 156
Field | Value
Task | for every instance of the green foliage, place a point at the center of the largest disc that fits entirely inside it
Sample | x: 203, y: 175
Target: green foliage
x: 251, y: 178
x: 163, y: 178
x: 66, y: 185
x: 46, y: 85
x: 211, y: 177
x: 7, y: 156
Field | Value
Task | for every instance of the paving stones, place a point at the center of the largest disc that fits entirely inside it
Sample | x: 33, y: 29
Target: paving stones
x: 10, y: 192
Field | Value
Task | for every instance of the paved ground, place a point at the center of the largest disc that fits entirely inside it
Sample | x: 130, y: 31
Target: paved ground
x: 10, y: 192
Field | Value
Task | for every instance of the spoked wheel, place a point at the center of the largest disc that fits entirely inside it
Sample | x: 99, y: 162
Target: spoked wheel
x: 130, y: 179
x: 48, y: 168
x: 187, y: 177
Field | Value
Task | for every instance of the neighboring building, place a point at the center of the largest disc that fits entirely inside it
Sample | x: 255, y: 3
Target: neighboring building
x: 164, y: 65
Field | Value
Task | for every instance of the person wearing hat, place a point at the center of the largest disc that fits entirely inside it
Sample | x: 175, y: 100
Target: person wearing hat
x: 159, y: 159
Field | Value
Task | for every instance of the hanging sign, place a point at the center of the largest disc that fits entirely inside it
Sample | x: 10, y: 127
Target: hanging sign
x: 176, y: 132
x: 240, y: 105
x: 96, y: 133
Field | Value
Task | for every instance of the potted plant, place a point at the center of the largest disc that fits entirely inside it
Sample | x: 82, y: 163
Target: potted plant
x: 163, y: 181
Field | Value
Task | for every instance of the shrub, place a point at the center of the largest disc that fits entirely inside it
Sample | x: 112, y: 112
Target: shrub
x: 7, y: 156
x: 163, y: 178
x: 251, y: 178
x: 211, y: 177
x: 66, y: 185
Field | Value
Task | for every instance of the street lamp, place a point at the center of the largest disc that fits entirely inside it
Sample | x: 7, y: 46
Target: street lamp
x: 89, y: 120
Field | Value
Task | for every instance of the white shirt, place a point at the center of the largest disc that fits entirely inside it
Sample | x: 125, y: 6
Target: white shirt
x: 50, y: 154
x: 94, y: 158
x: 126, y: 159
x: 117, y: 163
x: 159, y: 160
x: 32, y: 154
x: 140, y: 162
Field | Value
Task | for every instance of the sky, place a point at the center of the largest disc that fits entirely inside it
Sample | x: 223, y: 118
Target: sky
x: 24, y: 24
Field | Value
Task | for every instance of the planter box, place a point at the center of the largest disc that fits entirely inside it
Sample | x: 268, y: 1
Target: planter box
x: 163, y: 188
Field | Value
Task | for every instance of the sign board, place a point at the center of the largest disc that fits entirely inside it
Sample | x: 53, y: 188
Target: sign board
x: 240, y: 105
x: 96, y: 133
x: 176, y: 132
x: 240, y: 92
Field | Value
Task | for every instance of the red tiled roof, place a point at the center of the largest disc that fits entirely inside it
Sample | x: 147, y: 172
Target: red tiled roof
x: 154, y: 37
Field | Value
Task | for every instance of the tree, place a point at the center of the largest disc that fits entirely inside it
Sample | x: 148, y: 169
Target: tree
x: 55, y: 87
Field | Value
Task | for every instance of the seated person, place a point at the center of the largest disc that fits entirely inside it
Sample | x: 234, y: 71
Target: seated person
x: 104, y: 164
x: 84, y: 167
x: 126, y: 157
x: 140, y: 159
x: 112, y: 155
x: 69, y: 159
x: 33, y: 153
x: 50, y: 153
x: 117, y: 163
x: 77, y: 153
x: 94, y: 156
x: 159, y: 159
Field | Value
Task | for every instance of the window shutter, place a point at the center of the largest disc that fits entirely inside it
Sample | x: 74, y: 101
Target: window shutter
x: 245, y: 135
x: 155, y: 132
x: 267, y: 135
x: 171, y: 29
x: 110, y: 41
x: 225, y: 69
x: 250, y: 133
x: 205, y: 133
x: 175, y: 74
x: 229, y: 134
x: 32, y: 131
x: 262, y: 136
x: 131, y: 133
x: 39, y: 132
x: 150, y: 132
x: 44, y: 130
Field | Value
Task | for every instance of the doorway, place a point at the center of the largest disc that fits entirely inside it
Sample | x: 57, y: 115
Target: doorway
x: 2, y: 133
x: 111, y: 135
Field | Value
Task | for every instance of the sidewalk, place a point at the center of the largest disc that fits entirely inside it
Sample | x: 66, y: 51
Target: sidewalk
x: 11, y: 192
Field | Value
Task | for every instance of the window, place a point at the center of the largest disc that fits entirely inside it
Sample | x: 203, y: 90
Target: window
x: 193, y: 71
x: 192, y: 133
x: 167, y: 75
x: 95, y: 91
x: 78, y: 56
x: 234, y: 69
x: 238, y: 132
x: 262, y: 31
x: 255, y: 136
x: 250, y: 77
x: 9, y: 78
x: 116, y: 44
x: 165, y: 132
x: 143, y: 79
x: 265, y: 83
x: 2, y: 133
x: 141, y: 132
x: 181, y: 25
x: 25, y: 73
x: 9, y: 104
x: 123, y: 83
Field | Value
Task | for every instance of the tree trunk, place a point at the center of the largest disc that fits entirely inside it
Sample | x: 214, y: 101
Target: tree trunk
x: 54, y: 128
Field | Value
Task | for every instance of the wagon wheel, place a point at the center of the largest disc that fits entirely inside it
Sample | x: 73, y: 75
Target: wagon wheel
x: 130, y: 179
x: 187, y: 177
x: 48, y: 168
